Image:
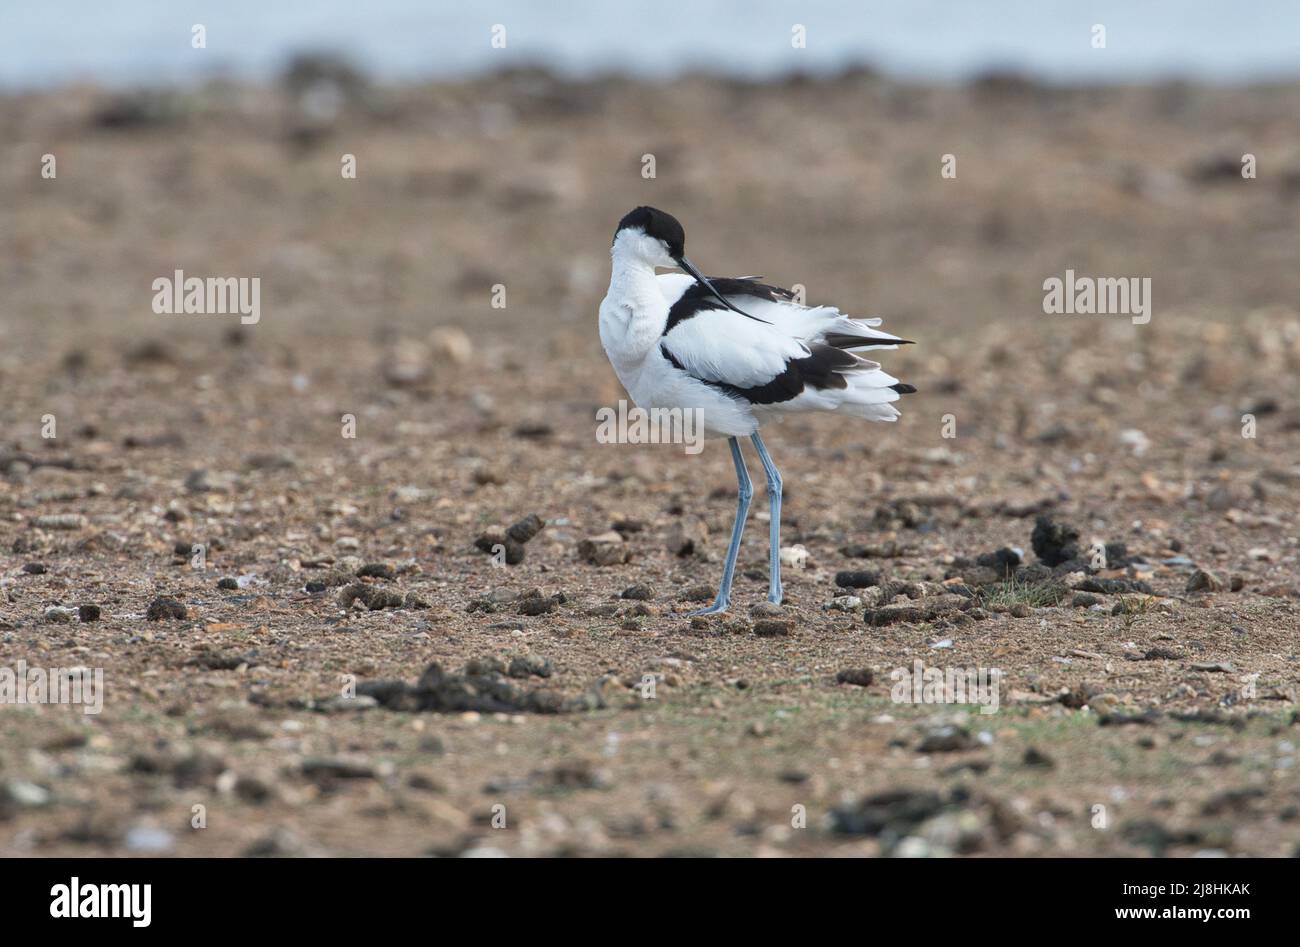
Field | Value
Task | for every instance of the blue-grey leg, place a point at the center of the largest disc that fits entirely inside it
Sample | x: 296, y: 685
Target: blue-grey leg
x: 774, y: 592
x: 744, y: 494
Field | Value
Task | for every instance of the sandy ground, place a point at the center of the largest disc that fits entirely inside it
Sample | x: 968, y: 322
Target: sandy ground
x: 1155, y: 714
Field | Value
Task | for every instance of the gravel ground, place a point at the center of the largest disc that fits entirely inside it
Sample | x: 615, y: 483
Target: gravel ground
x: 345, y: 671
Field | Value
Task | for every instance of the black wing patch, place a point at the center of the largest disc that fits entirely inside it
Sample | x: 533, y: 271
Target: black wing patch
x: 819, y: 369
x: 697, y: 299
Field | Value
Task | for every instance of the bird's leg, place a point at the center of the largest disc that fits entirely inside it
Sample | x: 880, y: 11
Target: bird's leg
x: 774, y: 592
x: 744, y: 494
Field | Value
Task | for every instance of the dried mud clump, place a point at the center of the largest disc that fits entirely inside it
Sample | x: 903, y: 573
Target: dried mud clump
x: 511, y: 540
x: 484, y: 685
x: 163, y: 608
x: 1054, y: 543
x: 376, y: 597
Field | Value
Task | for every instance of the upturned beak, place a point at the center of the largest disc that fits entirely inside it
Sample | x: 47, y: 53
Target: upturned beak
x: 700, y: 278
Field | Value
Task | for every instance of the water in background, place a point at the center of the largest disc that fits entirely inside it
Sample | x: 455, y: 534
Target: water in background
x: 148, y: 41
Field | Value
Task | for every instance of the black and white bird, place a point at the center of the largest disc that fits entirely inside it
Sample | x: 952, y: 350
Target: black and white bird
x: 737, y: 351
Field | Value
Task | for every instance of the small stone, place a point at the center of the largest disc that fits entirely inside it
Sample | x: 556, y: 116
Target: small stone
x: 641, y: 592
x: 534, y: 605
x: 149, y: 838
x: 315, y: 587
x: 376, y: 570
x: 324, y: 770
x: 228, y: 583
x: 862, y: 677
x: 1004, y: 561
x: 773, y: 628
x: 794, y: 557
x: 1203, y: 580
x: 1220, y: 667
x: 18, y: 794
x: 494, y: 542
x: 607, y: 549
x: 166, y: 608
x: 88, y: 612
x: 845, y: 603
x: 1054, y: 543
x: 697, y: 593
x: 1084, y: 600
x: 58, y: 615
x: 373, y: 597
x: 1113, y: 586
x: 1037, y: 758
x: 34, y: 568
x: 687, y: 537
x: 946, y: 738
x: 851, y: 579
x: 62, y: 521
x: 529, y: 665
x: 1021, y: 610
x: 526, y: 528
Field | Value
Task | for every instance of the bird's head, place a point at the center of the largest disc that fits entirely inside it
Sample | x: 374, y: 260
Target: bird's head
x: 649, y: 235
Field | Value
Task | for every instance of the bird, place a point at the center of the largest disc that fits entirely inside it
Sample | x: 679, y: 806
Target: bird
x: 740, y: 353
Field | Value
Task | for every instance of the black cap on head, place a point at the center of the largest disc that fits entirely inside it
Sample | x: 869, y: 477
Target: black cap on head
x: 659, y: 225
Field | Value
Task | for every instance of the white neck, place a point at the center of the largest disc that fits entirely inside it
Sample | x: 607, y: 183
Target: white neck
x: 634, y: 312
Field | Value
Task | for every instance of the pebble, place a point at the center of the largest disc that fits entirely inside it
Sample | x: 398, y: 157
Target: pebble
x: 376, y: 570
x: 1113, y: 586
x: 606, y: 549
x: 62, y: 521
x: 529, y: 665
x: 35, y: 568
x: 149, y: 838
x: 228, y: 583
x: 856, y: 579
x: 18, y: 794
x: 372, y: 597
x: 687, y: 537
x: 1021, y: 610
x: 1037, y: 758
x: 1203, y: 580
x: 1054, y: 543
x: 1004, y: 561
x: 773, y: 628
x: 164, y: 608
x: 845, y: 603
x: 638, y: 593
x: 946, y: 738
x: 88, y: 612
x: 697, y: 593
x: 862, y: 677
x: 794, y: 557
x: 526, y: 528
x: 58, y: 615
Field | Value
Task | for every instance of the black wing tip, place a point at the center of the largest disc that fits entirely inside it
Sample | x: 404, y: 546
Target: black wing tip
x: 904, y: 389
